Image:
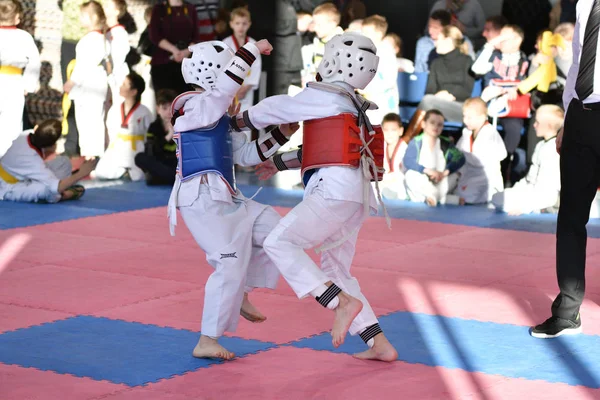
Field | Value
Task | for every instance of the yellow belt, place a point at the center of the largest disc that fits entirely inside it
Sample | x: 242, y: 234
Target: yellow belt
x: 10, y: 70
x: 6, y: 177
x: 133, y: 139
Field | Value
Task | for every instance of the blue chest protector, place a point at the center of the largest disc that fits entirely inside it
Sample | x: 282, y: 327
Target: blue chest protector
x: 207, y: 150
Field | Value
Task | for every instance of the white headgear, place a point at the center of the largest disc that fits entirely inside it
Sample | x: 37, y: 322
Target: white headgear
x: 351, y: 58
x: 208, y: 60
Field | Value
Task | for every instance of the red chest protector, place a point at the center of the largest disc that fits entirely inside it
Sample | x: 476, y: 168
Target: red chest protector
x: 335, y: 141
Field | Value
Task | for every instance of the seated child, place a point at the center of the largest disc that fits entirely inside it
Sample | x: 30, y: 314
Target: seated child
x: 540, y: 189
x: 159, y: 159
x: 25, y: 176
x: 483, y: 148
x: 127, y: 126
x: 392, y: 186
x: 432, y: 164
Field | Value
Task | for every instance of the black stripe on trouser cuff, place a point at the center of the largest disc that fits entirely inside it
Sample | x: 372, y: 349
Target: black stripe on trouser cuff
x: 328, y: 295
x: 279, y: 136
x: 259, y: 151
x: 245, y: 55
x: 371, y: 332
x: 246, y: 118
x: 235, y: 78
x: 279, y: 163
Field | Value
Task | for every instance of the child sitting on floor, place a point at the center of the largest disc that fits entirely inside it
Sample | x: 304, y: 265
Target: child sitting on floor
x: 540, y: 189
x: 483, y: 148
x: 392, y: 186
x: 432, y: 164
x: 127, y: 125
x: 159, y: 159
x: 25, y: 176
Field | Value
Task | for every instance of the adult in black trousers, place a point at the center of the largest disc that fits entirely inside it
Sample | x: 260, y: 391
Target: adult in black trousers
x: 580, y: 174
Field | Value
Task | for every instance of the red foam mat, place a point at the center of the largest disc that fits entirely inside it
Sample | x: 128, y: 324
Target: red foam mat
x: 18, y: 383
x: 81, y: 291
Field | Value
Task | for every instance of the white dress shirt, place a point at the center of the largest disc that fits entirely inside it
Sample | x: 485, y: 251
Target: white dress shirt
x: 584, y: 7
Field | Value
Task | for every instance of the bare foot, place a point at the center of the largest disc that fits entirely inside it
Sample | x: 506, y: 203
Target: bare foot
x: 382, y: 350
x: 250, y: 312
x: 345, y: 313
x: 462, y: 201
x: 431, y: 202
x: 210, y: 348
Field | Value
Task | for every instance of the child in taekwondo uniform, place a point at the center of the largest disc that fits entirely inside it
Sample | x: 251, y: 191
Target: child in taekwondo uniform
x: 127, y: 125
x: 483, y: 148
x: 230, y: 228
x: 19, y: 71
x: 338, y: 194
x: 27, y: 176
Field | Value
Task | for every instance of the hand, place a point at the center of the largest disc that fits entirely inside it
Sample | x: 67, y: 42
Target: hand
x: 88, y: 166
x: 68, y: 86
x: 266, y: 170
x: 234, y: 108
x: 178, y: 56
x: 540, y: 59
x: 512, y: 94
x: 289, y: 129
x: 445, y: 95
x: 243, y: 91
x: 559, y: 139
x: 514, y: 213
x: 264, y: 46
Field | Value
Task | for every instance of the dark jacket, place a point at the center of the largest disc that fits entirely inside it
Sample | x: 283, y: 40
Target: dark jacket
x: 451, y: 72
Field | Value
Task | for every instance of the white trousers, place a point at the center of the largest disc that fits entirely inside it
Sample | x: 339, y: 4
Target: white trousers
x: 118, y: 158
x: 90, y: 115
x: 419, y: 188
x: 314, y: 221
x: 232, y: 236
x: 12, y: 102
x: 524, y: 198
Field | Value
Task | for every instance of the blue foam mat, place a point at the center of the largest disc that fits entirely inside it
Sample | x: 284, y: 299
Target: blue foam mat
x: 137, y: 195
x: 486, y: 347
x: 117, y: 351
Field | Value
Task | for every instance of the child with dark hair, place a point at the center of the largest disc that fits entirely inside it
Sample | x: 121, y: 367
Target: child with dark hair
x: 27, y: 174
x: 127, y: 125
x: 159, y: 159
x: 432, y: 163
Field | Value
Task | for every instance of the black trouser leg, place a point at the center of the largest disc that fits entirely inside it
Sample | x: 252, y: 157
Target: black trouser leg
x: 161, y: 172
x: 580, y: 176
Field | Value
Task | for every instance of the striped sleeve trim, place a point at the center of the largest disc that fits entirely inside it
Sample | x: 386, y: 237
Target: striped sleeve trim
x: 279, y: 163
x: 245, y: 55
x: 235, y: 78
x: 279, y: 136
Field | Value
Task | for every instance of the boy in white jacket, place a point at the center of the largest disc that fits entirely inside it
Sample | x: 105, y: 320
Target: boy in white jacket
x: 338, y: 194
x: 229, y: 228
x: 540, y: 189
x: 483, y: 148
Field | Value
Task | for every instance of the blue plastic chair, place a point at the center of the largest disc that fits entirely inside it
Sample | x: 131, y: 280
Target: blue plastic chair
x: 411, y: 88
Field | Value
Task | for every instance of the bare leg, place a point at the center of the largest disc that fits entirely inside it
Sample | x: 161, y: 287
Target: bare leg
x: 382, y: 350
x: 251, y: 313
x: 208, y: 347
x: 345, y: 312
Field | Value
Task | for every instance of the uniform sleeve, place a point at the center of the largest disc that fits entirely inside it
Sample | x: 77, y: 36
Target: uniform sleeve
x: 31, y: 75
x: 482, y: 64
x: 254, y: 78
x: 252, y: 153
x: 455, y: 159
x: 283, y: 109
